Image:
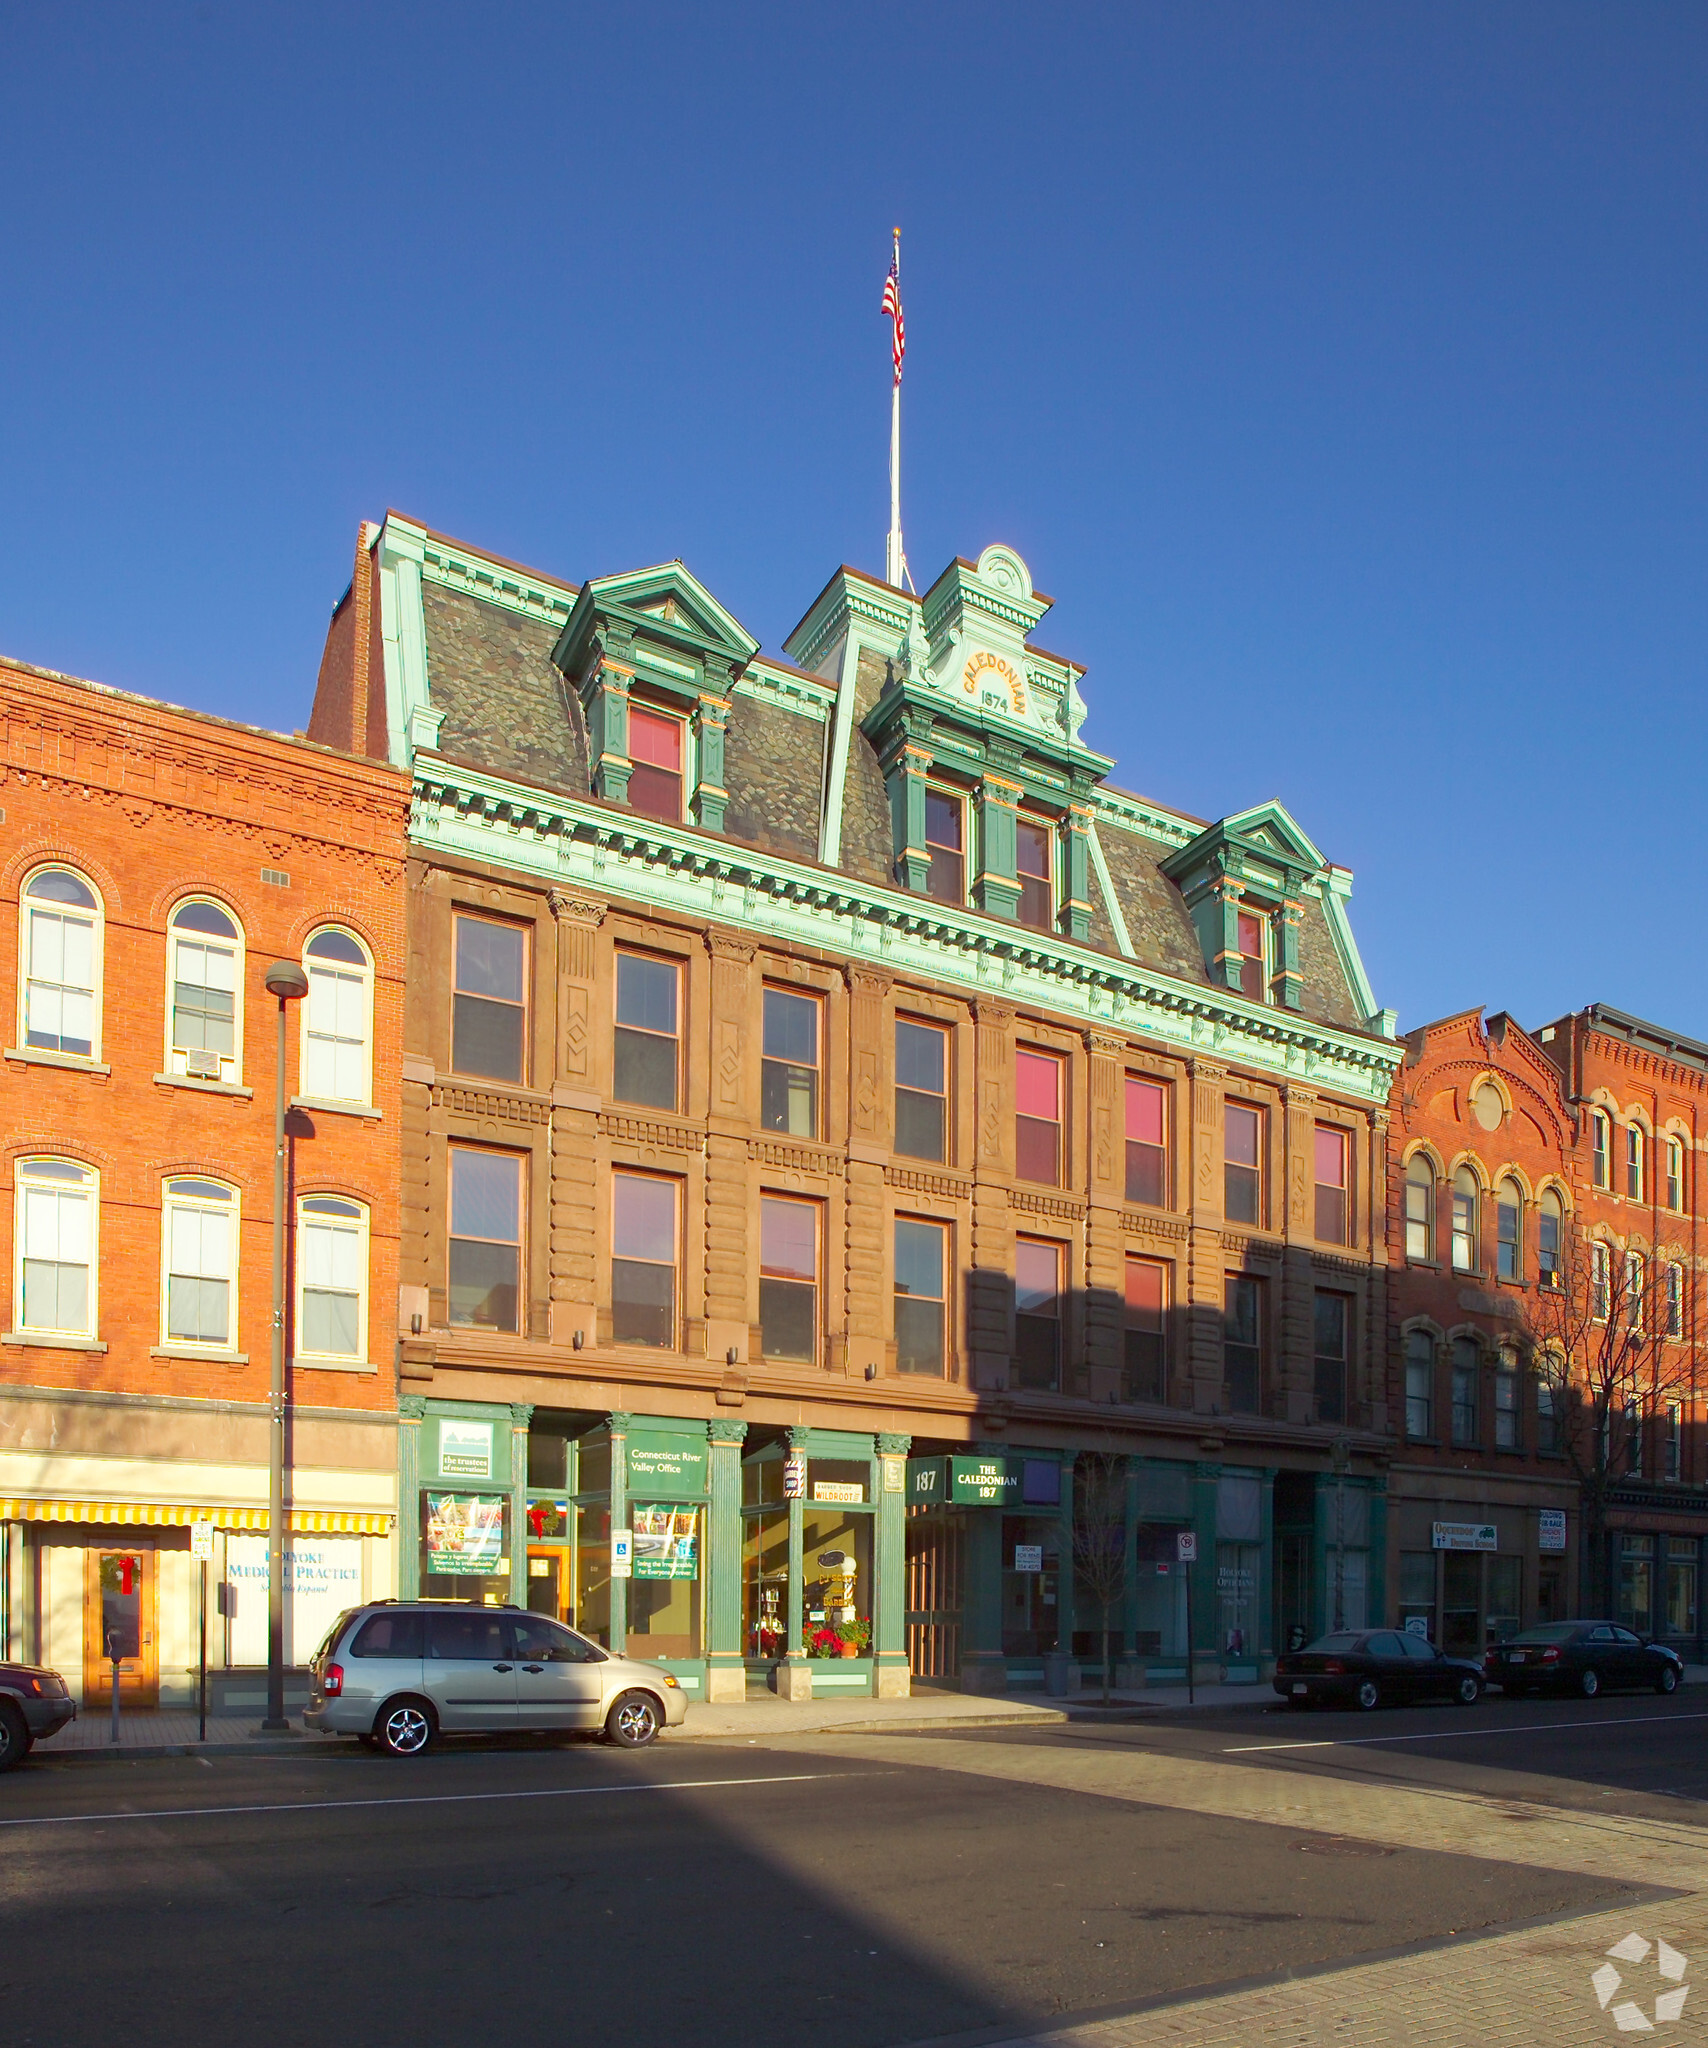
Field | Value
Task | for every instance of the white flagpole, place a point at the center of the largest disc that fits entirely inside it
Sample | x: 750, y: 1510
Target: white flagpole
x: 894, y: 561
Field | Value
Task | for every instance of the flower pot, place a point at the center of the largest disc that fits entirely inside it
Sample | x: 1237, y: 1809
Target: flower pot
x: 850, y: 1649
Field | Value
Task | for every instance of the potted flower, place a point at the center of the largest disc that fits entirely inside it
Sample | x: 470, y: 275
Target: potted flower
x: 823, y: 1641
x: 855, y: 1640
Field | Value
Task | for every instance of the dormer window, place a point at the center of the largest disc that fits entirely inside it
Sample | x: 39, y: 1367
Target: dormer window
x: 1034, y: 841
x: 1253, y: 955
x: 945, y: 843
x: 656, y: 750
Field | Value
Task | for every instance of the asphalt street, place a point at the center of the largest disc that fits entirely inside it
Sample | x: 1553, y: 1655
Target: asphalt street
x: 711, y: 1893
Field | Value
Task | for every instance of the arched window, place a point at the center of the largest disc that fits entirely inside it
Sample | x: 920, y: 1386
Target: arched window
x: 1634, y: 1162
x: 1420, y: 1206
x: 1420, y: 1384
x: 55, y: 1238
x: 204, y: 992
x: 59, y: 969
x: 1467, y: 1373
x: 198, y: 1246
x: 1600, y: 1133
x: 1465, y: 1192
x: 1550, y: 1238
x: 332, y: 1281
x: 1509, y: 1227
x: 337, y: 1019
x: 1675, y: 1301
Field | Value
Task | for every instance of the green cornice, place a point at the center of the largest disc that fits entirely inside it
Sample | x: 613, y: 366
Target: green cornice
x: 783, y: 687
x: 704, y: 878
x: 1137, y: 814
x: 475, y: 575
x: 850, y: 600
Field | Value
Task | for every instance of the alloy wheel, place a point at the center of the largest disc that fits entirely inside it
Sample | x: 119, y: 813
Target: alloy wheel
x: 406, y: 1729
x: 633, y: 1721
x: 1589, y: 1682
x: 1369, y: 1694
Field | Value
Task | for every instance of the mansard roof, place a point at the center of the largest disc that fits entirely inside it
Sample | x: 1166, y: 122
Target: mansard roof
x: 482, y: 659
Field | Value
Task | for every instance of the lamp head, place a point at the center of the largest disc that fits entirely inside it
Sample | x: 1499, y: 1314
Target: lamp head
x: 286, y: 980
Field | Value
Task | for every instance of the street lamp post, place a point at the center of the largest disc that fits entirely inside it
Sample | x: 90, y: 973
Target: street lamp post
x: 286, y: 980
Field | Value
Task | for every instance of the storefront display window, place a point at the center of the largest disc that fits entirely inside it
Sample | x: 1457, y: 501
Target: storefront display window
x: 764, y: 1577
x: 665, y: 1593
x: 1237, y: 1567
x: 1461, y: 1603
x: 1681, y: 1585
x: 1031, y: 1569
x: 1504, y: 1588
x: 465, y: 1546
x: 836, y: 1589
x: 1417, y: 1589
x: 593, y: 1571
x: 1159, y: 1603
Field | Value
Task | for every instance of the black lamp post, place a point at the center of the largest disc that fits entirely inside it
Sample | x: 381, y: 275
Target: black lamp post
x: 286, y: 980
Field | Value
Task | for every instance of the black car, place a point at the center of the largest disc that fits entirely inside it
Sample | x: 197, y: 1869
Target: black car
x: 1581, y: 1657
x: 1372, y: 1667
x: 34, y: 1703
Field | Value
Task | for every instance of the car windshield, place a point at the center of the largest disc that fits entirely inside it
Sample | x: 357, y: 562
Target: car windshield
x: 1551, y: 1632
x: 1343, y: 1640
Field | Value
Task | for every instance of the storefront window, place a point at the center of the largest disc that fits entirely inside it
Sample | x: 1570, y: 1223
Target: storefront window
x: 1681, y: 1586
x: 1505, y: 1589
x: 665, y: 1593
x: 764, y: 1577
x: 1461, y: 1603
x: 1159, y: 1596
x: 1031, y: 1567
x: 1237, y: 1566
x: 836, y: 1593
x: 1637, y: 1582
x: 465, y: 1547
x: 761, y: 1482
x: 593, y: 1571
x: 1417, y: 1589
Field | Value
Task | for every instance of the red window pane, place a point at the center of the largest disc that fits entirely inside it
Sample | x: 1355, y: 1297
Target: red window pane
x: 1032, y: 849
x: 1239, y: 1135
x: 655, y: 740
x: 1144, y: 1294
x: 643, y: 1218
x: 1037, y: 1277
x: 788, y: 1248
x: 1038, y: 1085
x: 1250, y: 935
x: 1331, y: 1158
x: 1144, y: 1112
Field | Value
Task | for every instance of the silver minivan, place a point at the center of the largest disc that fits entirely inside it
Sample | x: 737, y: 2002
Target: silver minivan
x: 401, y: 1673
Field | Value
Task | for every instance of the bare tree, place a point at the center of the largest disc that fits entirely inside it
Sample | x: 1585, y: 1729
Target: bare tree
x: 1100, y: 1536
x: 1606, y: 1334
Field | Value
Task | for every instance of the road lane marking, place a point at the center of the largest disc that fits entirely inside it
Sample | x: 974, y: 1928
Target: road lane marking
x: 59, y: 1820
x: 1460, y: 1734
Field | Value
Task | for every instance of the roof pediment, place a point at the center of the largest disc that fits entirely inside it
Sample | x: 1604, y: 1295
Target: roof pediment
x: 665, y: 606
x: 1265, y: 836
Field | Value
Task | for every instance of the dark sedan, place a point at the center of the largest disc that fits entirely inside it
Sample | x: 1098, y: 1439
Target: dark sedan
x: 1581, y: 1657
x: 1372, y: 1668
x: 34, y: 1703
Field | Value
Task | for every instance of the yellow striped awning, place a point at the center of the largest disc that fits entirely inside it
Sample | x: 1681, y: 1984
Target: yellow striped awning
x: 160, y: 1515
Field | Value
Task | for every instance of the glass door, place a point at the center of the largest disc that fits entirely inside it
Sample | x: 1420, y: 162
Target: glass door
x: 119, y: 1617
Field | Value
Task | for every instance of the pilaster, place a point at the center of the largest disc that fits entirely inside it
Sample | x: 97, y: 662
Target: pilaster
x: 726, y: 1670
x: 997, y: 887
x: 575, y: 1123
x: 411, y: 1413
x: 1289, y: 979
x: 1105, y: 1239
x: 605, y: 695
x: 521, y: 1414
x: 1294, y: 1388
x: 889, y: 1619
x: 726, y: 1217
x: 990, y: 1286
x: 904, y: 778
x: 794, y: 1673
x: 711, y: 718
x: 1205, y: 1261
x: 1076, y: 880
x: 619, y: 1427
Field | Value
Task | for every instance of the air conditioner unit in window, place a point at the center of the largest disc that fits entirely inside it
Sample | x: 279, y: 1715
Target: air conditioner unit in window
x: 202, y: 1066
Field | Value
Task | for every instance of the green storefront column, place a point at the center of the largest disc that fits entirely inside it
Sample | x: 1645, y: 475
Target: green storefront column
x: 890, y: 1675
x: 1377, y: 1570
x: 619, y: 1520
x: 1066, y: 1616
x: 794, y: 1673
x: 521, y: 1414
x: 411, y: 1412
x: 984, y: 1669
x: 1266, y: 1583
x: 1206, y: 1605
x: 726, y: 1669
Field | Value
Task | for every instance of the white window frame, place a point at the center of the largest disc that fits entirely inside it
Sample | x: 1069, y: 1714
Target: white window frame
x: 1674, y: 1156
x: 23, y: 1179
x: 1423, y: 1183
x: 232, y: 1209
x: 1601, y: 1149
x: 354, y: 1217
x: 96, y: 920
x: 177, y: 1061
x: 1635, y: 1162
x: 345, y: 969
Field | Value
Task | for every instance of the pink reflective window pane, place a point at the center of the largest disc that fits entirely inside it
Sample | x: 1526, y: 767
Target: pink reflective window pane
x: 643, y: 1218
x: 1038, y: 1085
x: 1144, y: 1112
x: 1144, y: 1293
x: 1037, y: 1277
x: 1250, y: 935
x: 1331, y: 1159
x: 655, y: 740
x: 1239, y: 1139
x: 788, y: 1241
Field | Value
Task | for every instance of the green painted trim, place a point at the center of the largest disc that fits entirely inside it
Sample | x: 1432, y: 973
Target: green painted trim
x: 1138, y: 814
x: 473, y: 574
x: 562, y: 839
x: 1111, y: 902
x: 787, y: 691
x: 836, y: 781
x: 1333, y: 890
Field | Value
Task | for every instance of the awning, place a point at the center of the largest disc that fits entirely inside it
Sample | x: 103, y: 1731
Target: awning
x: 158, y: 1515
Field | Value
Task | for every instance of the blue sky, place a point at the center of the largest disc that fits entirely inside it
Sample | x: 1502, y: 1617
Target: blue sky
x: 1340, y: 369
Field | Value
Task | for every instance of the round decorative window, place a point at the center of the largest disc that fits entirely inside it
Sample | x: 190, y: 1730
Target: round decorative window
x: 1488, y: 1106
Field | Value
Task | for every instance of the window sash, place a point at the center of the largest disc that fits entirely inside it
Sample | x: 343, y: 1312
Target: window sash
x: 1145, y: 1361
x: 1420, y: 1216
x: 1420, y: 1389
x: 489, y: 999
x: 59, y: 988
x: 1331, y: 1355
x: 335, y: 1028
x: 1598, y: 1140
x: 1508, y: 1226
x: 945, y: 847
x: 921, y: 1303
x: 1242, y: 1347
x: 1464, y: 1232
x: 56, y: 1259
x: 331, y: 1258
x: 1506, y: 1409
x: 1034, y: 870
x: 1633, y: 1163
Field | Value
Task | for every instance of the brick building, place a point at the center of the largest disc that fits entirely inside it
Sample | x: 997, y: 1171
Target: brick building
x: 1528, y: 1167
x: 846, y: 1141
x: 152, y: 863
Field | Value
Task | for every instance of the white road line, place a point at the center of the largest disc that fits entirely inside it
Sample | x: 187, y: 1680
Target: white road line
x: 60, y: 1820
x: 1463, y: 1734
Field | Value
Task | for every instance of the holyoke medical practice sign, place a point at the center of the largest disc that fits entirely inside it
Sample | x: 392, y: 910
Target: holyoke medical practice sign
x: 323, y: 1576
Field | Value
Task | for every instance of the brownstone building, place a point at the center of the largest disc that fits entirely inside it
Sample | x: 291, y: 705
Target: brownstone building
x: 153, y: 862
x: 844, y: 1136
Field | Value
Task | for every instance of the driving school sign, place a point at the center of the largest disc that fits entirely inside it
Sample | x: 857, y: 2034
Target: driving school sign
x: 1465, y: 1536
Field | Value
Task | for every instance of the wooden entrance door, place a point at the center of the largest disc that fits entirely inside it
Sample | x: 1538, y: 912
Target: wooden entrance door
x: 935, y: 1552
x: 121, y: 1609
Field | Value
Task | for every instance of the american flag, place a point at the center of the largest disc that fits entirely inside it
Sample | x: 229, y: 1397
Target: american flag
x: 892, y: 313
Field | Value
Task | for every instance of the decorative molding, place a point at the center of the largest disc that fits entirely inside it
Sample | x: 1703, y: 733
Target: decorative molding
x: 913, y: 1180
x: 796, y: 1158
x: 787, y: 692
x: 1149, y: 1223
x: 1264, y: 1250
x: 491, y: 1105
x: 1063, y: 1208
x: 569, y: 909
x: 500, y: 583
x: 635, y: 1130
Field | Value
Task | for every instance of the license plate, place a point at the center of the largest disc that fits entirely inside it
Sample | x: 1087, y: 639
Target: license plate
x: 1298, y: 1688
x: 1515, y: 1657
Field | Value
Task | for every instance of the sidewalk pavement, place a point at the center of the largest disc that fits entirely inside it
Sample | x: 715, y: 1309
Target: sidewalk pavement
x: 173, y: 1732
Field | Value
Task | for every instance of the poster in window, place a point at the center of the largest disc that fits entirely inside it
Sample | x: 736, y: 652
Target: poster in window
x: 465, y: 1533
x: 666, y: 1540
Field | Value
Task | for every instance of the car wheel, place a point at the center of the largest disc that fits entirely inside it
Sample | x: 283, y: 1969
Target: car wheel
x: 14, y: 1738
x: 1667, y: 1679
x: 1368, y: 1695
x: 1589, y: 1682
x: 1468, y: 1691
x: 634, y: 1720
x: 405, y: 1727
